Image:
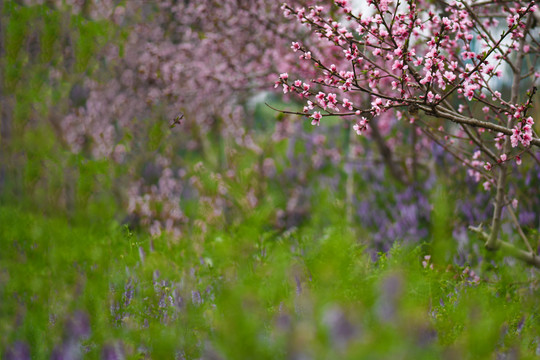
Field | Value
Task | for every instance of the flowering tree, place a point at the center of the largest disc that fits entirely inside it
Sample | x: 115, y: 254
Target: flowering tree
x: 462, y: 73
x: 163, y: 63
x: 191, y: 62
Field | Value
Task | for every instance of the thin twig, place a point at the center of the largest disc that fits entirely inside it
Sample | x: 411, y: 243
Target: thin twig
x: 519, y: 229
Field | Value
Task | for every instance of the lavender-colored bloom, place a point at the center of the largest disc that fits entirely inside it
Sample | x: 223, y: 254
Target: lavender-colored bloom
x: 210, y: 293
x: 341, y: 330
x: 128, y: 292
x: 113, y: 352
x: 391, y: 289
x: 511, y: 354
x: 283, y: 322
x: 78, y: 325
x: 298, y: 285
x: 178, y: 301
x: 528, y: 217
x: 520, y: 325
x: 461, y: 236
x: 425, y: 335
x: 18, y: 351
x: 70, y: 350
x: 210, y: 352
x: 141, y: 254
x: 196, y: 297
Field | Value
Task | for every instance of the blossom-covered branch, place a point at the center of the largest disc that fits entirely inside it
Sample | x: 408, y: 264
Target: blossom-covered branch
x: 449, y: 61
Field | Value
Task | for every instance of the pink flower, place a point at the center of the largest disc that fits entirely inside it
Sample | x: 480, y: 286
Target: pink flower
x: 515, y: 203
x: 306, y: 55
x: 347, y: 85
x: 511, y: 19
x: 398, y: 64
x: 376, y: 104
x: 361, y: 125
x: 320, y: 96
x: 469, y: 93
x: 427, y: 78
x: 332, y: 98
x: 515, y: 138
x: 348, y: 54
x: 347, y: 104
x: 450, y: 76
x: 522, y: 133
x: 295, y: 46
x: 316, y: 118
x: 383, y: 4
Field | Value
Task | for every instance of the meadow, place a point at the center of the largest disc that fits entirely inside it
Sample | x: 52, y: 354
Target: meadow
x: 150, y: 213
x: 101, y: 291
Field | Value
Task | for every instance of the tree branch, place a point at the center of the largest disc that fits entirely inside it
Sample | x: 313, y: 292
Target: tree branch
x: 501, y: 181
x: 509, y: 249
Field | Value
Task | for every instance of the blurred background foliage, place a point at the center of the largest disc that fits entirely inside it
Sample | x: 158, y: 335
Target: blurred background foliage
x: 294, y: 242
x: 45, y: 54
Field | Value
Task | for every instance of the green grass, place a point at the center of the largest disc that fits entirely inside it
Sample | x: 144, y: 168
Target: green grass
x: 245, y: 293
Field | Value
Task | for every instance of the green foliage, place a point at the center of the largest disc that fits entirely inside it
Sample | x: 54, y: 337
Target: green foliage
x: 91, y: 35
x: 443, y: 245
x: 249, y: 293
x: 40, y: 64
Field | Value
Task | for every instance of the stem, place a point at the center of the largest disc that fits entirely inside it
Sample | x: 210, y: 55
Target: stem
x: 519, y: 229
x: 414, y: 141
x: 492, y: 243
x: 349, y: 184
x: 515, y: 69
x: 4, y: 116
x: 386, y: 154
x: 444, y: 113
x: 509, y: 249
x: 478, y: 22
